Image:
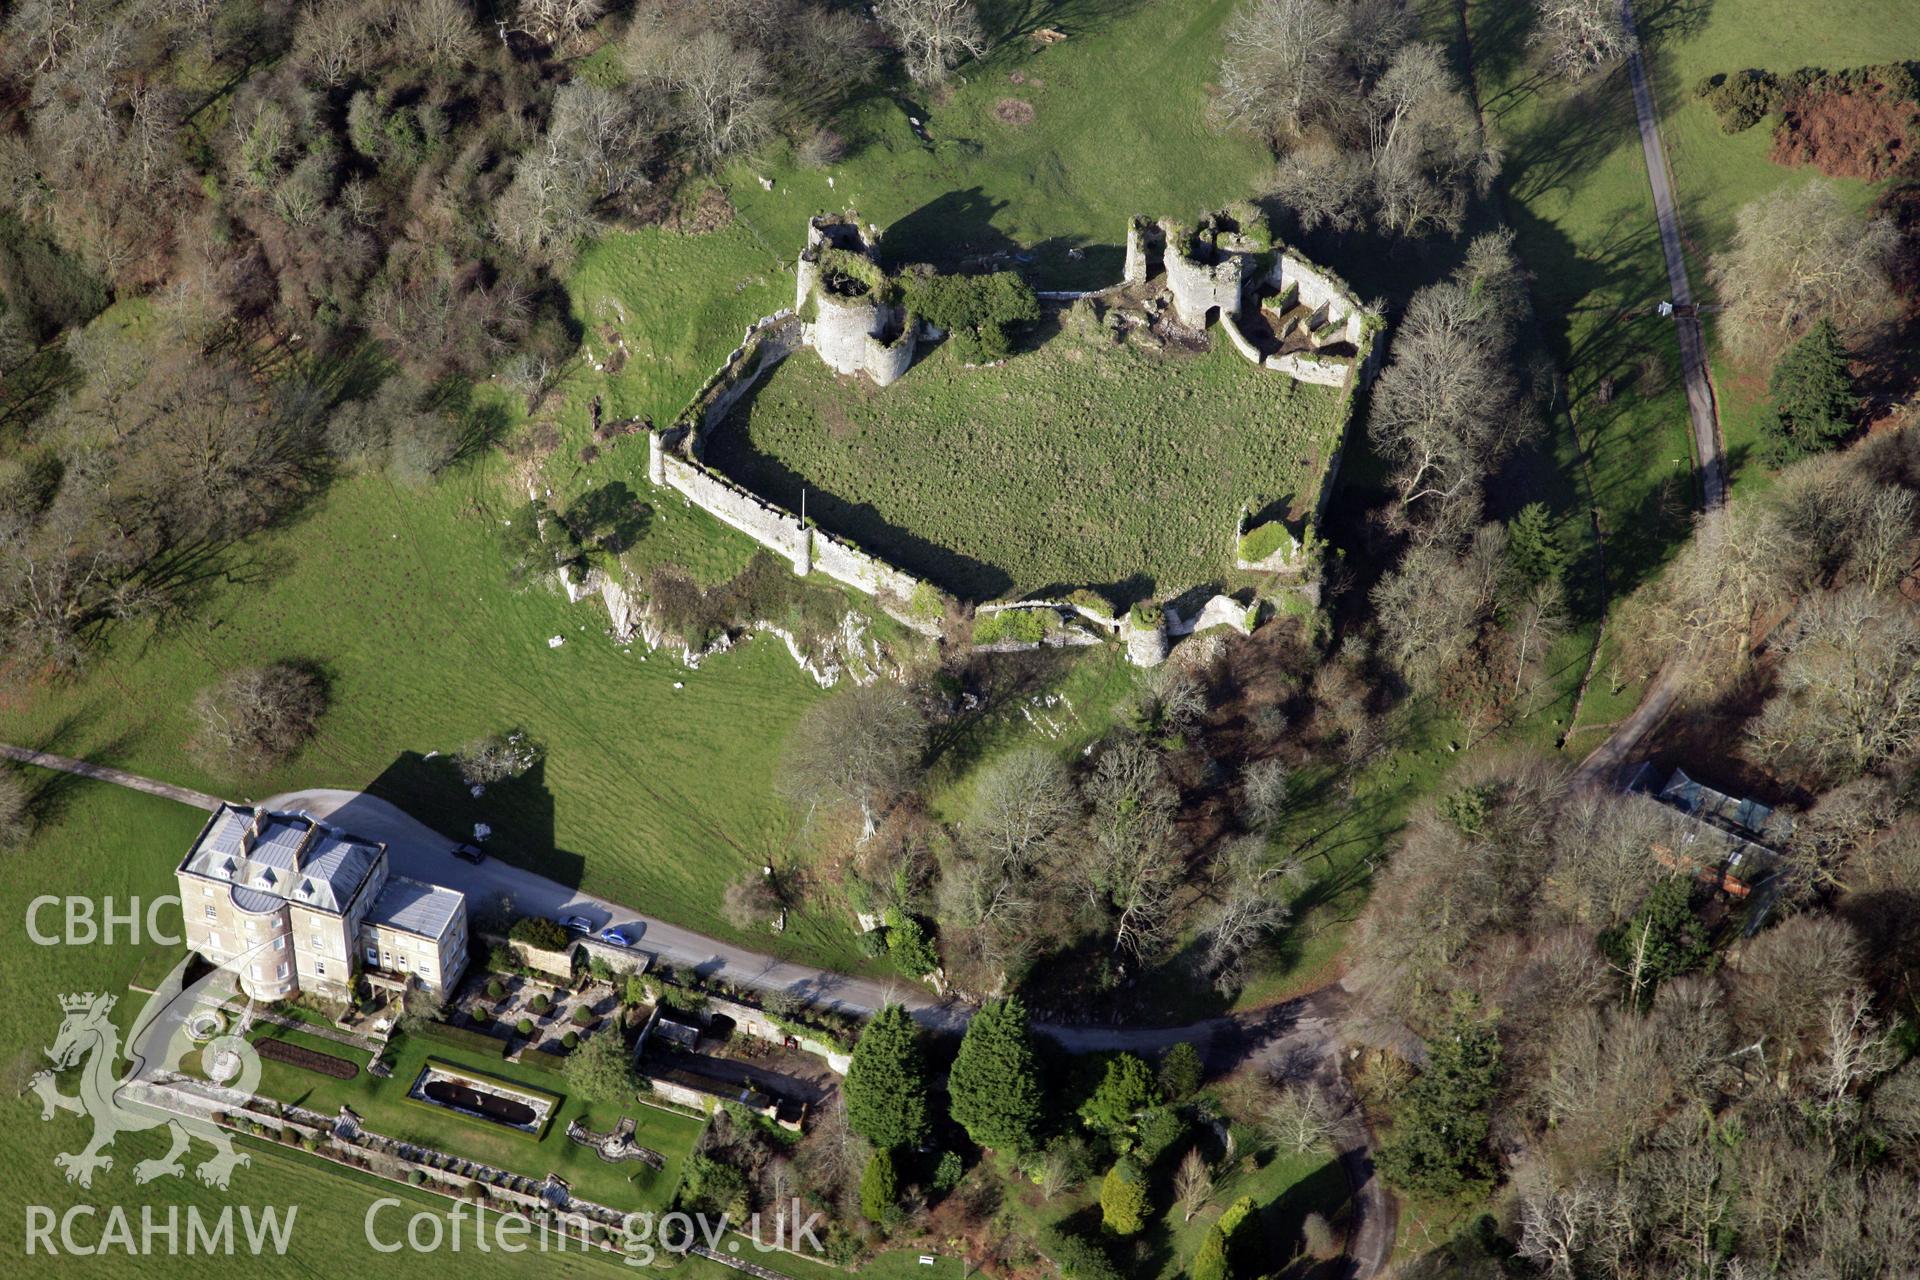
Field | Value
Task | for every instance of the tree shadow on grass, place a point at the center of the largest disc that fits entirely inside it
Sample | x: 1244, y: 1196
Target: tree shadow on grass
x: 50, y: 792
x: 1326, y: 1192
x: 956, y: 232
x: 947, y: 230
x: 1010, y: 20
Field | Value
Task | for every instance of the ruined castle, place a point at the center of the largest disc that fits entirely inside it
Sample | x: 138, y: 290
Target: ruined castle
x: 849, y: 309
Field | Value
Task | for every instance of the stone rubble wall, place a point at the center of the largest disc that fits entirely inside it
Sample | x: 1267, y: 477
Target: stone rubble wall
x: 771, y: 526
x: 1218, y: 611
x: 1106, y: 622
x: 769, y: 340
x: 1241, y: 343
x: 1320, y: 291
x: 1325, y: 371
x: 757, y: 1024
x: 1146, y: 646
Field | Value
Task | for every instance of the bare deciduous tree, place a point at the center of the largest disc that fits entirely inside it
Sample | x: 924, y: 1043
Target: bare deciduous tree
x: 1799, y: 257
x: 934, y: 36
x: 557, y: 21
x: 1857, y: 1050
x: 1300, y: 1118
x: 1192, y: 1184
x: 1131, y: 864
x: 1789, y: 976
x: 1709, y: 601
x: 1434, y: 604
x: 1022, y: 800
x: 1849, y: 685
x: 1282, y: 64
x: 1579, y: 37
x: 1263, y: 794
x: 1248, y: 905
x: 439, y: 33
x: 1445, y: 410
x: 857, y: 748
x: 257, y: 717
x: 722, y: 94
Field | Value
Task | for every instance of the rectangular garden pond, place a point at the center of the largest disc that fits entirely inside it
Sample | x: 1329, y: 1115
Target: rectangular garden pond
x: 478, y: 1096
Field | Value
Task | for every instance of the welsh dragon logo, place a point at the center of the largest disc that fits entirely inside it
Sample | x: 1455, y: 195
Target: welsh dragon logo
x: 180, y: 1027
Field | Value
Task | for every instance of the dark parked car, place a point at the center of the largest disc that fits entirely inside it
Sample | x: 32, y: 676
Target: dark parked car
x: 577, y: 924
x: 469, y: 853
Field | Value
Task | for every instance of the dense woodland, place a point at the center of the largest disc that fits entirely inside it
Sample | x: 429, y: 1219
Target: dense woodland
x: 335, y: 217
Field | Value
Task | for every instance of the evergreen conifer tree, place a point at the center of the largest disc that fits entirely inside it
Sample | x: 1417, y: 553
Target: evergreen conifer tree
x: 886, y: 1085
x: 1123, y: 1198
x: 1812, y: 396
x: 995, y: 1081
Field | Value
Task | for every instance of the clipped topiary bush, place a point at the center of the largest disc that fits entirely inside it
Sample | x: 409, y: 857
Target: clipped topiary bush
x: 541, y: 1004
x: 582, y: 1015
x: 570, y: 1041
x: 496, y: 989
x: 524, y: 1026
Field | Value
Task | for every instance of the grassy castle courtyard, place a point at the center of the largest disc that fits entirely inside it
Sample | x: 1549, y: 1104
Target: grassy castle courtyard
x: 1075, y: 463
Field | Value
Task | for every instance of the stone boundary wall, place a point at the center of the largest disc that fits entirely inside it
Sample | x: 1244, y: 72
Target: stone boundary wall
x: 1105, y: 621
x: 770, y: 340
x: 773, y: 527
x: 674, y: 461
x: 1218, y: 611
x: 1322, y: 370
x: 755, y: 1022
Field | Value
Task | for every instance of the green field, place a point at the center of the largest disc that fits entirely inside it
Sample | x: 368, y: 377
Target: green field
x: 652, y: 795
x: 1068, y: 466
x: 1575, y: 187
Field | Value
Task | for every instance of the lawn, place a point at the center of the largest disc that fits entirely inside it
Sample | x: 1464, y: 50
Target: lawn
x: 105, y: 842
x: 385, y: 1107
x: 1067, y: 466
x: 1118, y: 126
x: 651, y: 794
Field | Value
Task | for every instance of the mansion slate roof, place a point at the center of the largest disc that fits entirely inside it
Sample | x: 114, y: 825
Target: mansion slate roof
x: 413, y: 907
x: 270, y: 858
